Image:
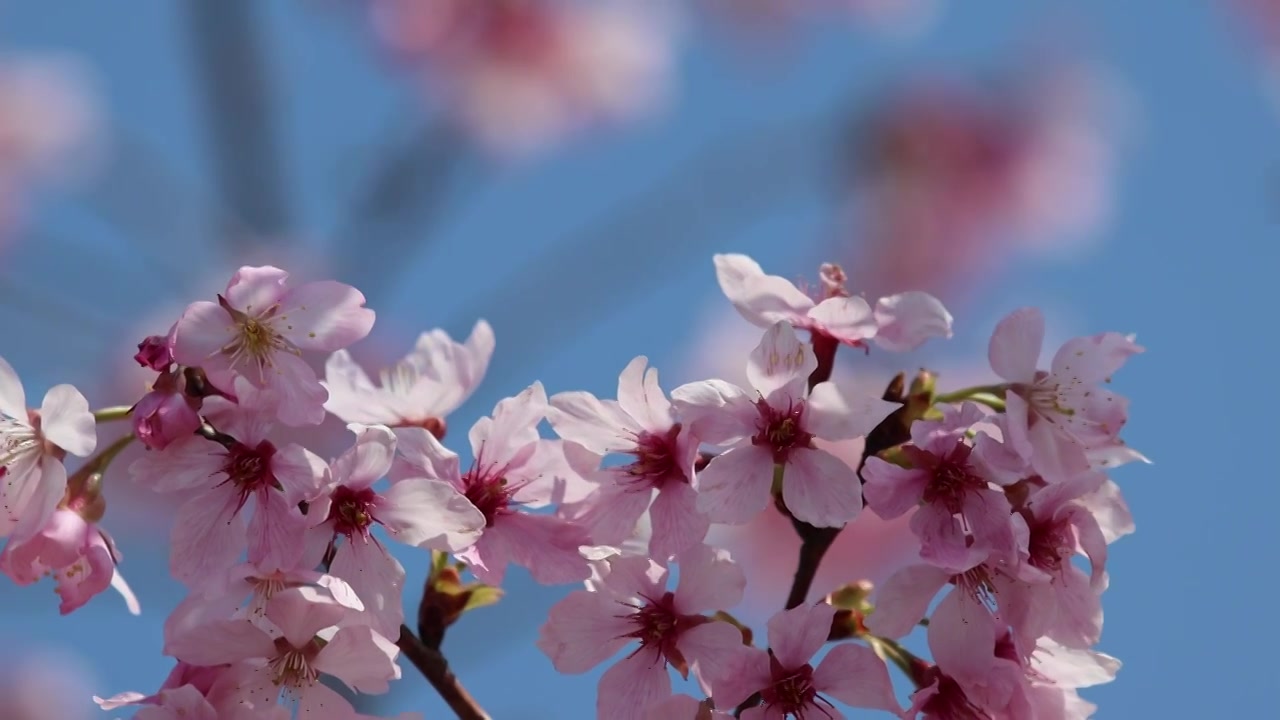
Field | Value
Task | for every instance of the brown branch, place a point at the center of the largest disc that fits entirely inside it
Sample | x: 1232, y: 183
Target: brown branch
x: 435, y: 668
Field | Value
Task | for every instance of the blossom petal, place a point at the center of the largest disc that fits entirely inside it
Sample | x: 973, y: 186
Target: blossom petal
x: 583, y: 630
x: 377, y: 579
x: 746, y: 674
x: 820, y: 489
x: 761, y: 299
x: 942, y: 538
x: 361, y: 658
x: 325, y: 315
x: 352, y: 395
x: 201, y: 333
x: 711, y: 648
x: 904, y: 599
x: 640, y: 397
x: 430, y: 514
x: 422, y: 454
x: 892, y: 490
x: 856, y: 676
x: 709, y: 580
x: 1093, y: 359
x: 904, y: 321
x: 319, y: 702
x: 40, y: 498
x: 301, y: 612
x: 601, y: 426
x: 13, y: 401
x: 716, y: 411
x: 611, y: 515
x: 1014, y: 350
x: 675, y: 521
x: 797, y: 634
x: 781, y: 363
x: 847, y: 319
x: 628, y: 689
x: 208, y: 536
x: 836, y: 412
x: 299, y: 472
x: 301, y: 396
x: 962, y: 638
x: 368, y: 459
x: 734, y: 487
x: 219, y: 642
x: 253, y: 290
x: 66, y: 420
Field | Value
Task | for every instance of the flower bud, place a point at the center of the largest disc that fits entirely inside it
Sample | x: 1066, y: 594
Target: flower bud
x: 162, y: 416
x: 153, y: 352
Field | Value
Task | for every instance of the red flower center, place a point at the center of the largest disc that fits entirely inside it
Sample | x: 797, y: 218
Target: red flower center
x: 489, y: 491
x: 953, y: 476
x: 249, y: 469
x: 792, y: 691
x: 781, y: 430
x: 1050, y: 544
x: 658, y: 628
x: 352, y: 511
x: 950, y: 701
x: 655, y: 462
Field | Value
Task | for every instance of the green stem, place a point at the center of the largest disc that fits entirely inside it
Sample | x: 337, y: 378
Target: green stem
x: 906, y: 661
x: 990, y: 401
x: 969, y: 392
x: 119, y: 412
x: 105, y: 457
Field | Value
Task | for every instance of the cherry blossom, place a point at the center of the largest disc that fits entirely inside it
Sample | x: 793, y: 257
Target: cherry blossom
x: 81, y: 557
x: 167, y: 413
x: 641, y: 423
x: 221, y: 478
x: 513, y: 470
x: 684, y: 707
x: 774, y: 433
x: 960, y: 511
x: 789, y: 684
x: 1057, y: 419
x: 258, y: 330
x: 416, y: 511
x: 433, y: 380
x: 630, y: 602
x: 33, y: 445
x: 898, y: 323
x: 291, y: 660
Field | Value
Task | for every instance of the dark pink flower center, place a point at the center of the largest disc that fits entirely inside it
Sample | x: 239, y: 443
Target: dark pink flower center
x: 293, y: 667
x: 658, y: 627
x: 950, y: 702
x: 792, y: 692
x: 489, y: 491
x: 655, y: 462
x: 249, y: 469
x: 953, y: 476
x: 352, y: 511
x: 781, y: 430
x: 1051, y: 543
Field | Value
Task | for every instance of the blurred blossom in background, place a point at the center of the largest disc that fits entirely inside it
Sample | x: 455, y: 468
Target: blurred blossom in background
x: 565, y: 169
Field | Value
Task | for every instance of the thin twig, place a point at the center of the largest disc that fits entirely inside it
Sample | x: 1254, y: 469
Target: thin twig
x: 435, y: 668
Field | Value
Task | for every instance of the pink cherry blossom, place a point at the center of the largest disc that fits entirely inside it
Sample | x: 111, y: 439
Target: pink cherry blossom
x: 153, y: 352
x: 789, y: 684
x: 32, y: 447
x: 641, y: 423
x: 166, y: 413
x: 684, y: 707
x: 1060, y: 418
x: 258, y: 330
x: 520, y: 76
x: 433, y: 380
x: 200, y: 692
x: 898, y: 323
x: 222, y: 477
x: 291, y: 660
x: 414, y: 510
x: 960, y: 511
x: 513, y: 469
x: 630, y: 602
x: 776, y: 429
x: 81, y: 557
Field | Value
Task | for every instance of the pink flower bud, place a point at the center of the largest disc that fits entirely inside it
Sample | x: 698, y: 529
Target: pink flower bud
x: 153, y: 352
x: 161, y: 417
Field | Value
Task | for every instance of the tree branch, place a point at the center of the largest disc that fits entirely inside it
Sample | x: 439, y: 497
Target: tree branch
x: 435, y: 668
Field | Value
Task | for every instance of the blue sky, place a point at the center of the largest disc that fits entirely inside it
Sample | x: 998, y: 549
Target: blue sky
x: 1187, y: 263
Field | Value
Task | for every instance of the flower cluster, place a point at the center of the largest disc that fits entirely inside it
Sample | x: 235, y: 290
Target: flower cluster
x: 290, y: 580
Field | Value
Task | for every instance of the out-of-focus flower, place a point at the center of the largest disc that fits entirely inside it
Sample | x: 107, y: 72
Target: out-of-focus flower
x: 47, y: 121
x: 951, y: 177
x: 520, y: 74
x: 772, y: 21
x: 43, y: 685
x: 1261, y: 19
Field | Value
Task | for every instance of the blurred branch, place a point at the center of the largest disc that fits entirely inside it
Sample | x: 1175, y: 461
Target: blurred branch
x: 732, y: 181
x: 247, y: 159
x: 433, y: 666
x: 391, y: 214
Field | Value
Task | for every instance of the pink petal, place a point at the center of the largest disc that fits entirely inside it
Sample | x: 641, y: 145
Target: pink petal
x: 253, y: 290
x: 1092, y: 360
x: 276, y: 532
x: 675, y: 521
x: 514, y: 426
x: 208, y: 536
x: 856, y: 676
x: 709, y: 580
x: 796, y: 635
x: 640, y: 397
x: 942, y: 539
x: 1015, y: 345
x: 1072, y: 668
x: 987, y: 514
x: 632, y: 576
x: 352, y: 395
x: 361, y: 658
x: 820, y: 489
x: 66, y: 420
x: 547, y: 546
x: 904, y: 321
x: 840, y: 413
x: 847, y: 319
x: 734, y: 487
x: 611, y: 515
x: 430, y: 514
x: 301, y: 612
x: 781, y: 363
x: 325, y: 315
x: 712, y: 647
x: 743, y: 676
x: 299, y: 472
x: 716, y: 411
x: 583, y: 630
x: 220, y: 642
x: 628, y: 689
x: 13, y: 401
x: 88, y: 576
x: 44, y: 490
x: 904, y: 599
x: 377, y: 579
x: 962, y: 638
x: 126, y: 593
x: 1110, y: 510
x: 677, y: 707
x: 761, y: 299
x: 892, y: 490
x: 302, y: 397
x: 423, y: 455
x: 318, y: 702
x: 201, y: 333
x: 188, y: 463
x: 369, y: 459
x: 601, y: 426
